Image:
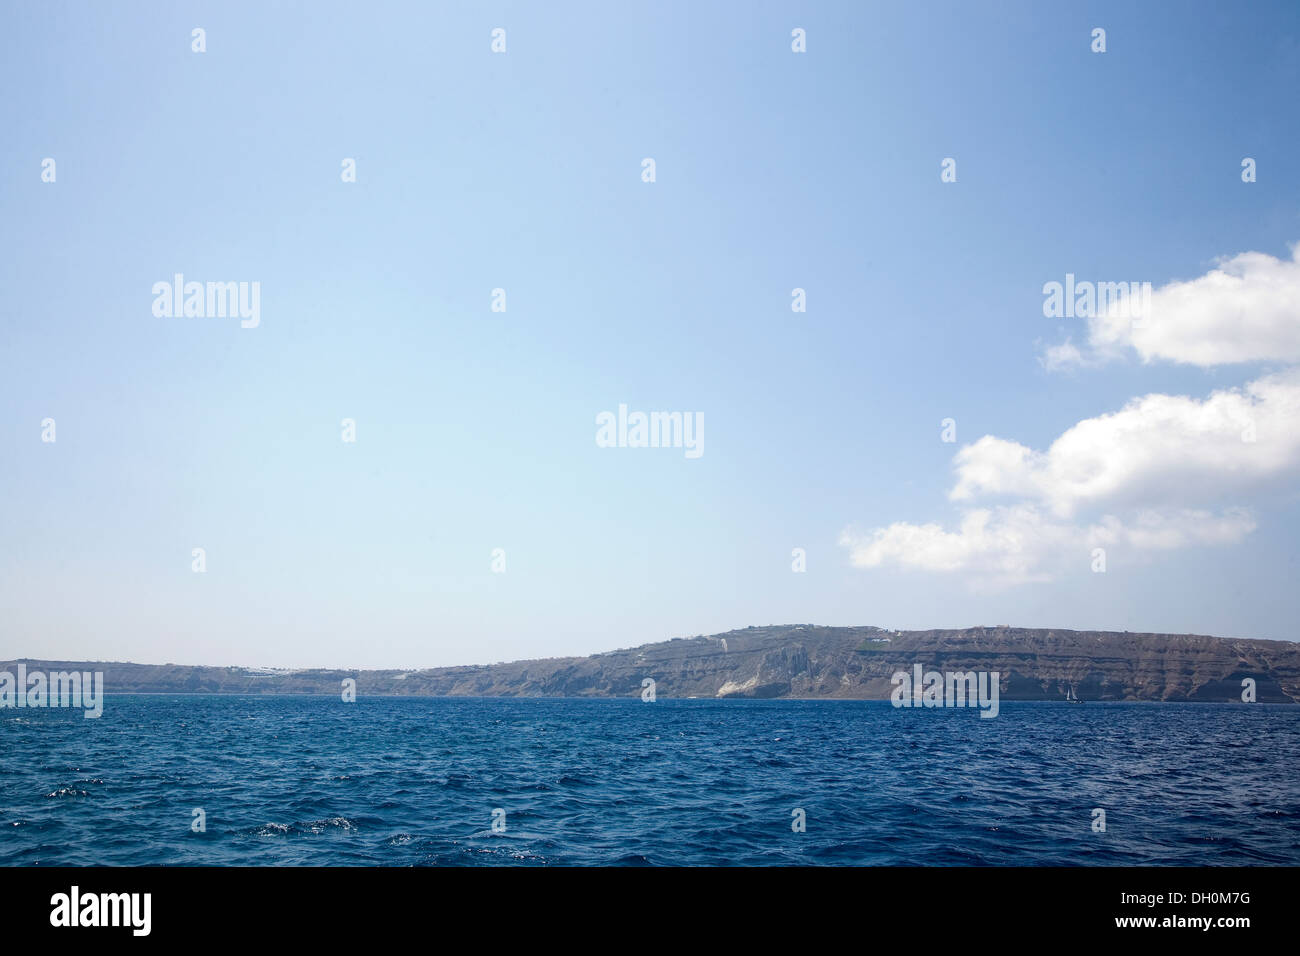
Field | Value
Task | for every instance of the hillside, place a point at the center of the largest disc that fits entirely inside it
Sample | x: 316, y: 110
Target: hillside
x: 797, y: 661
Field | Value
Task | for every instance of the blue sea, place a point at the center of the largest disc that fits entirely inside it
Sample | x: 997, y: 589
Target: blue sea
x: 401, y: 782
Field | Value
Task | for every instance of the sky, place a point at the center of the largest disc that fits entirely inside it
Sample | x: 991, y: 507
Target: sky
x: 1101, y: 473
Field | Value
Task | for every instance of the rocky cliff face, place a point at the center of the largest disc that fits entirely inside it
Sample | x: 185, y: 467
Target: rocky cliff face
x: 801, y: 661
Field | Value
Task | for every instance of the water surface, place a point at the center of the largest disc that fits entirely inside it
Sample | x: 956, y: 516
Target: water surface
x: 312, y: 780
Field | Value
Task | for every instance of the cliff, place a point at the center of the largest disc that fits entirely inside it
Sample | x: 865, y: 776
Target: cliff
x: 797, y: 661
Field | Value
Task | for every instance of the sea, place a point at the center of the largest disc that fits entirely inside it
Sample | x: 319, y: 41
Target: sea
x: 287, y: 781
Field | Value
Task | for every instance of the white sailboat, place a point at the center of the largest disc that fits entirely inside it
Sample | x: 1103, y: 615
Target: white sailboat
x: 1071, y: 696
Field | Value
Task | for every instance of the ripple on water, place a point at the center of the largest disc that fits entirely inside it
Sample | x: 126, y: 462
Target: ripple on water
x: 414, y: 782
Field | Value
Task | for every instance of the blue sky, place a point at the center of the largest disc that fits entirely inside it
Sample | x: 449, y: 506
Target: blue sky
x: 522, y: 170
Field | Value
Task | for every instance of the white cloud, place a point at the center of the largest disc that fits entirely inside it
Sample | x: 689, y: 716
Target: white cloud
x: 1156, y: 449
x: 1165, y: 531
x: 1006, y: 543
x: 1021, y: 543
x: 1147, y: 472
x: 1150, y: 475
x: 1066, y: 355
x: 1247, y: 309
